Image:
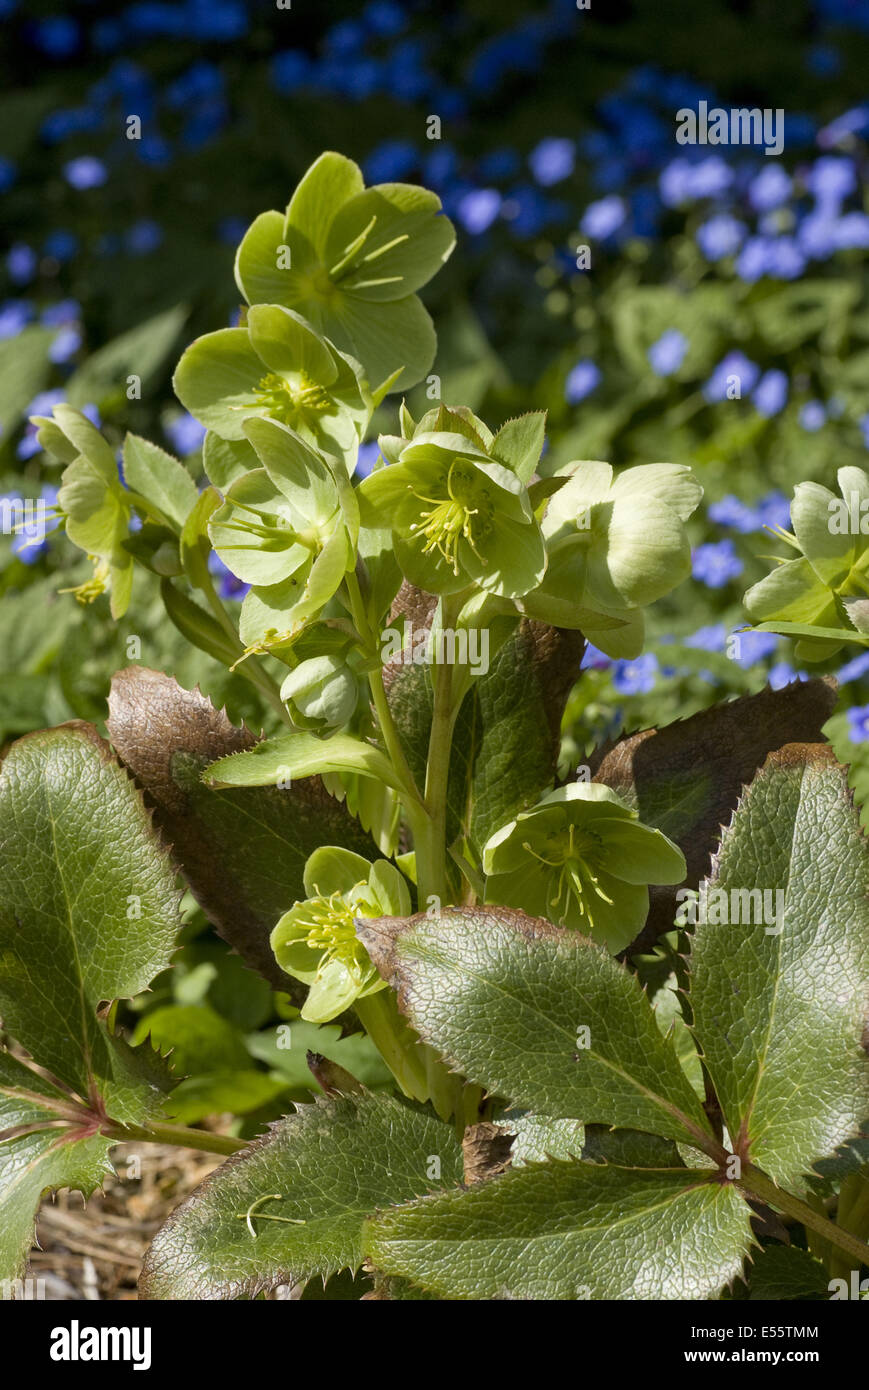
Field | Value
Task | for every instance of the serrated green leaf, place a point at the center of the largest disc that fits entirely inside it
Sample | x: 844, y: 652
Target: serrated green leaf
x: 332, y: 1164
x: 69, y: 940
x: 478, y: 983
x: 290, y: 756
x: 779, y: 1003
x: 160, y: 479
x: 786, y: 1272
x: 569, y: 1231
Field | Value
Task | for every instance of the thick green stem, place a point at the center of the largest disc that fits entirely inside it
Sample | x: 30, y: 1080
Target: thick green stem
x: 396, y: 1042
x: 852, y: 1216
x: 178, y: 1135
x: 754, y: 1183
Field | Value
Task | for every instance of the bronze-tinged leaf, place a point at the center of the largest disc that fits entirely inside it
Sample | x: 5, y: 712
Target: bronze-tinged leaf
x: 241, y: 850
x: 686, y: 778
x: 504, y: 754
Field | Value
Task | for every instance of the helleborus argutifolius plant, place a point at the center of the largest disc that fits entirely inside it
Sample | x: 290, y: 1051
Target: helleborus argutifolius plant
x: 425, y: 769
x: 583, y: 859
x: 316, y: 941
x: 350, y: 260
x: 827, y: 585
x: 290, y: 523
x: 279, y: 367
x: 615, y: 544
x: 460, y: 519
x: 93, y: 503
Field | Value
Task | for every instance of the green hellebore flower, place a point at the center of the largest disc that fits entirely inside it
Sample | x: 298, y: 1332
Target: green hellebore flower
x: 321, y: 694
x: 614, y: 546
x: 824, y: 586
x: 288, y: 528
x: 316, y: 940
x: 350, y: 259
x: 459, y: 518
x: 93, y: 503
x: 276, y: 366
x: 581, y: 858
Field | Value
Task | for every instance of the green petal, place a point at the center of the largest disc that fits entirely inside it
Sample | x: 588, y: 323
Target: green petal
x: 638, y: 854
x: 87, y: 440
x: 644, y: 555
x: 258, y: 273
x: 614, y: 926
x: 513, y: 557
x: 216, y: 380
x: 287, y: 343
x: 329, y: 183
x: 407, y: 244
x: 269, y: 608
x: 333, y: 991
x: 331, y: 869
x: 588, y: 484
x: 792, y: 593
x: 830, y: 556
x: 622, y: 643
x: 295, y: 469
x: 671, y: 483
x: 224, y: 460
x: 390, y: 888
x: 384, y: 337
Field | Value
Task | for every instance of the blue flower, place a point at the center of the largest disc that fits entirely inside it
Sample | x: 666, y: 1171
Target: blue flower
x: 65, y: 345
x: 775, y: 510
x: 753, y: 260
x: 143, y: 237
x: 185, y: 433
x: 478, y: 209
x: 734, y: 375
x: 384, y: 18
x: 770, y: 188
x: 721, y: 236
x: 63, y: 312
x: 499, y: 164
x: 831, y: 179
x: 852, y: 231
x: 391, y: 162
x: 785, y: 260
x: 858, y: 723
x: 366, y: 458
x: 813, y: 416
x: 733, y: 512
x: 817, y: 234
x: 290, y: 70
x: 603, y: 218
x: 595, y: 660
x: 712, y: 638
x: 853, y: 670
x: 666, y: 355
x: 15, y: 314
x: 8, y: 174
x: 771, y: 393
x: 85, y: 172
x: 635, y: 677
x: 21, y: 263
x: 753, y: 646
x: 552, y: 160
x: 57, y: 37
x: 582, y: 379
x: 61, y: 244
x: 715, y: 563
x: 781, y: 674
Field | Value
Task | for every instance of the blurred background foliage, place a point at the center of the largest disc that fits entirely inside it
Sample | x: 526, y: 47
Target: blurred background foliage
x: 603, y: 272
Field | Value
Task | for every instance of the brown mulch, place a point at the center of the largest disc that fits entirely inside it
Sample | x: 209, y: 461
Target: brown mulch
x: 94, y: 1250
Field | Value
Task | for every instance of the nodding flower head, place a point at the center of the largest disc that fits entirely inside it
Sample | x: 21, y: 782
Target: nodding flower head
x: 316, y: 940
x: 461, y: 519
x: 582, y: 859
x: 827, y: 584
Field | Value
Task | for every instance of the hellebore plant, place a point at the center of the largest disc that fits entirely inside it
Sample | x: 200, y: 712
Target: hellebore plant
x: 405, y: 855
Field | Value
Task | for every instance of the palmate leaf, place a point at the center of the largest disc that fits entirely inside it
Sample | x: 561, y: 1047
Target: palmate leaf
x: 507, y: 999
x: 330, y: 1166
x: 570, y: 1230
x: 242, y: 851
x: 779, y: 1014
